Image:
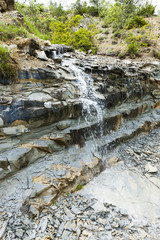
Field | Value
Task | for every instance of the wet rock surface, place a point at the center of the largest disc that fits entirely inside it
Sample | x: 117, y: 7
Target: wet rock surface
x: 56, y: 136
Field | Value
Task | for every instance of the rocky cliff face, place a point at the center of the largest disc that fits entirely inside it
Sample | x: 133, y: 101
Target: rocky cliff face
x: 60, y: 125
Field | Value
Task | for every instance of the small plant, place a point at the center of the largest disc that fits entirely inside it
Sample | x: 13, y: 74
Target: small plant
x: 94, y: 50
x: 156, y: 53
x: 101, y: 38
x: 79, y: 187
x: 106, y: 31
x: 105, y: 25
x: 8, y: 31
x: 117, y: 34
x: 100, y: 31
x: 7, y: 68
x: 122, y: 55
x: 136, y: 22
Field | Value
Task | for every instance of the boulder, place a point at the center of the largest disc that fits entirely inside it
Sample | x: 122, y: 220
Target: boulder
x: 3, y: 6
x: 6, y: 5
x: 41, y: 55
x: 39, y: 96
x: 10, y: 5
x: 29, y: 46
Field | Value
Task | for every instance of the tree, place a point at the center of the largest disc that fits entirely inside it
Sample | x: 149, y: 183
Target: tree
x: 56, y: 10
x: 99, y: 6
x: 121, y: 12
x: 96, y: 4
x: 79, y: 7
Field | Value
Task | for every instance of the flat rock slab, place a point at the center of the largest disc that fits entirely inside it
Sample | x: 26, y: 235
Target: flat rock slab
x: 126, y: 189
x: 39, y: 96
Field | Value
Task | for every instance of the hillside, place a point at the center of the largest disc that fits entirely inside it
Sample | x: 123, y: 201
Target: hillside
x: 112, y: 44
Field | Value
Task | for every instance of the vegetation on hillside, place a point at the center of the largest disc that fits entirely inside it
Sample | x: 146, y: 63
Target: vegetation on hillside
x: 7, y: 66
x: 70, y: 26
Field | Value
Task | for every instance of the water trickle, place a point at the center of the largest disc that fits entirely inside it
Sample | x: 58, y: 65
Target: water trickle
x: 92, y: 109
x: 54, y: 55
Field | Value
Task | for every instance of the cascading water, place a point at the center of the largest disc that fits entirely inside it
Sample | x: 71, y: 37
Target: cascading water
x: 92, y: 109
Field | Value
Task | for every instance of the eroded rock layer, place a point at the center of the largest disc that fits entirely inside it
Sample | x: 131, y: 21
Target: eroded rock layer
x: 56, y: 135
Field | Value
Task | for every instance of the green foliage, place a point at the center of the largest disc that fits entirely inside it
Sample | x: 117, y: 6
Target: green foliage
x: 136, y: 22
x: 79, y: 187
x: 79, y: 8
x: 8, y: 31
x: 106, y: 31
x: 96, y: 4
x: 100, y: 30
x: 117, y: 34
x: 38, y: 18
x: 135, y: 40
x: 146, y: 10
x: 66, y: 33
x: 120, y: 12
x: 94, y: 50
x: 7, y: 68
x: 101, y: 38
x: 128, y: 13
x: 56, y: 10
x: 92, y: 11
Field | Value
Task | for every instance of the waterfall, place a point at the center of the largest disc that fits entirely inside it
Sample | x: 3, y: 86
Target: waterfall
x: 92, y: 110
x: 91, y: 107
x: 54, y: 54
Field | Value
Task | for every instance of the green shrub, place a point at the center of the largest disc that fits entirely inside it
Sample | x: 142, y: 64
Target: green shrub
x: 101, y: 38
x: 7, y: 68
x: 66, y: 33
x: 94, y: 50
x: 136, y: 22
x: 8, y: 31
x: 117, y: 34
x: 100, y: 31
x: 146, y: 10
x: 106, y: 31
x: 135, y: 40
x: 92, y: 11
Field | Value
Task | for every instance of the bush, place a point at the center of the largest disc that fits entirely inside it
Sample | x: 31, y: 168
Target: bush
x: 66, y: 33
x: 117, y: 34
x: 94, y: 50
x: 7, y: 68
x: 92, y: 11
x: 147, y: 10
x: 136, y: 22
x: 11, y: 31
x: 101, y: 38
x: 135, y: 40
x: 106, y: 31
x: 82, y: 39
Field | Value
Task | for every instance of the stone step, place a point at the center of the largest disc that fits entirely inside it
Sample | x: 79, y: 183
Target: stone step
x: 113, y: 121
